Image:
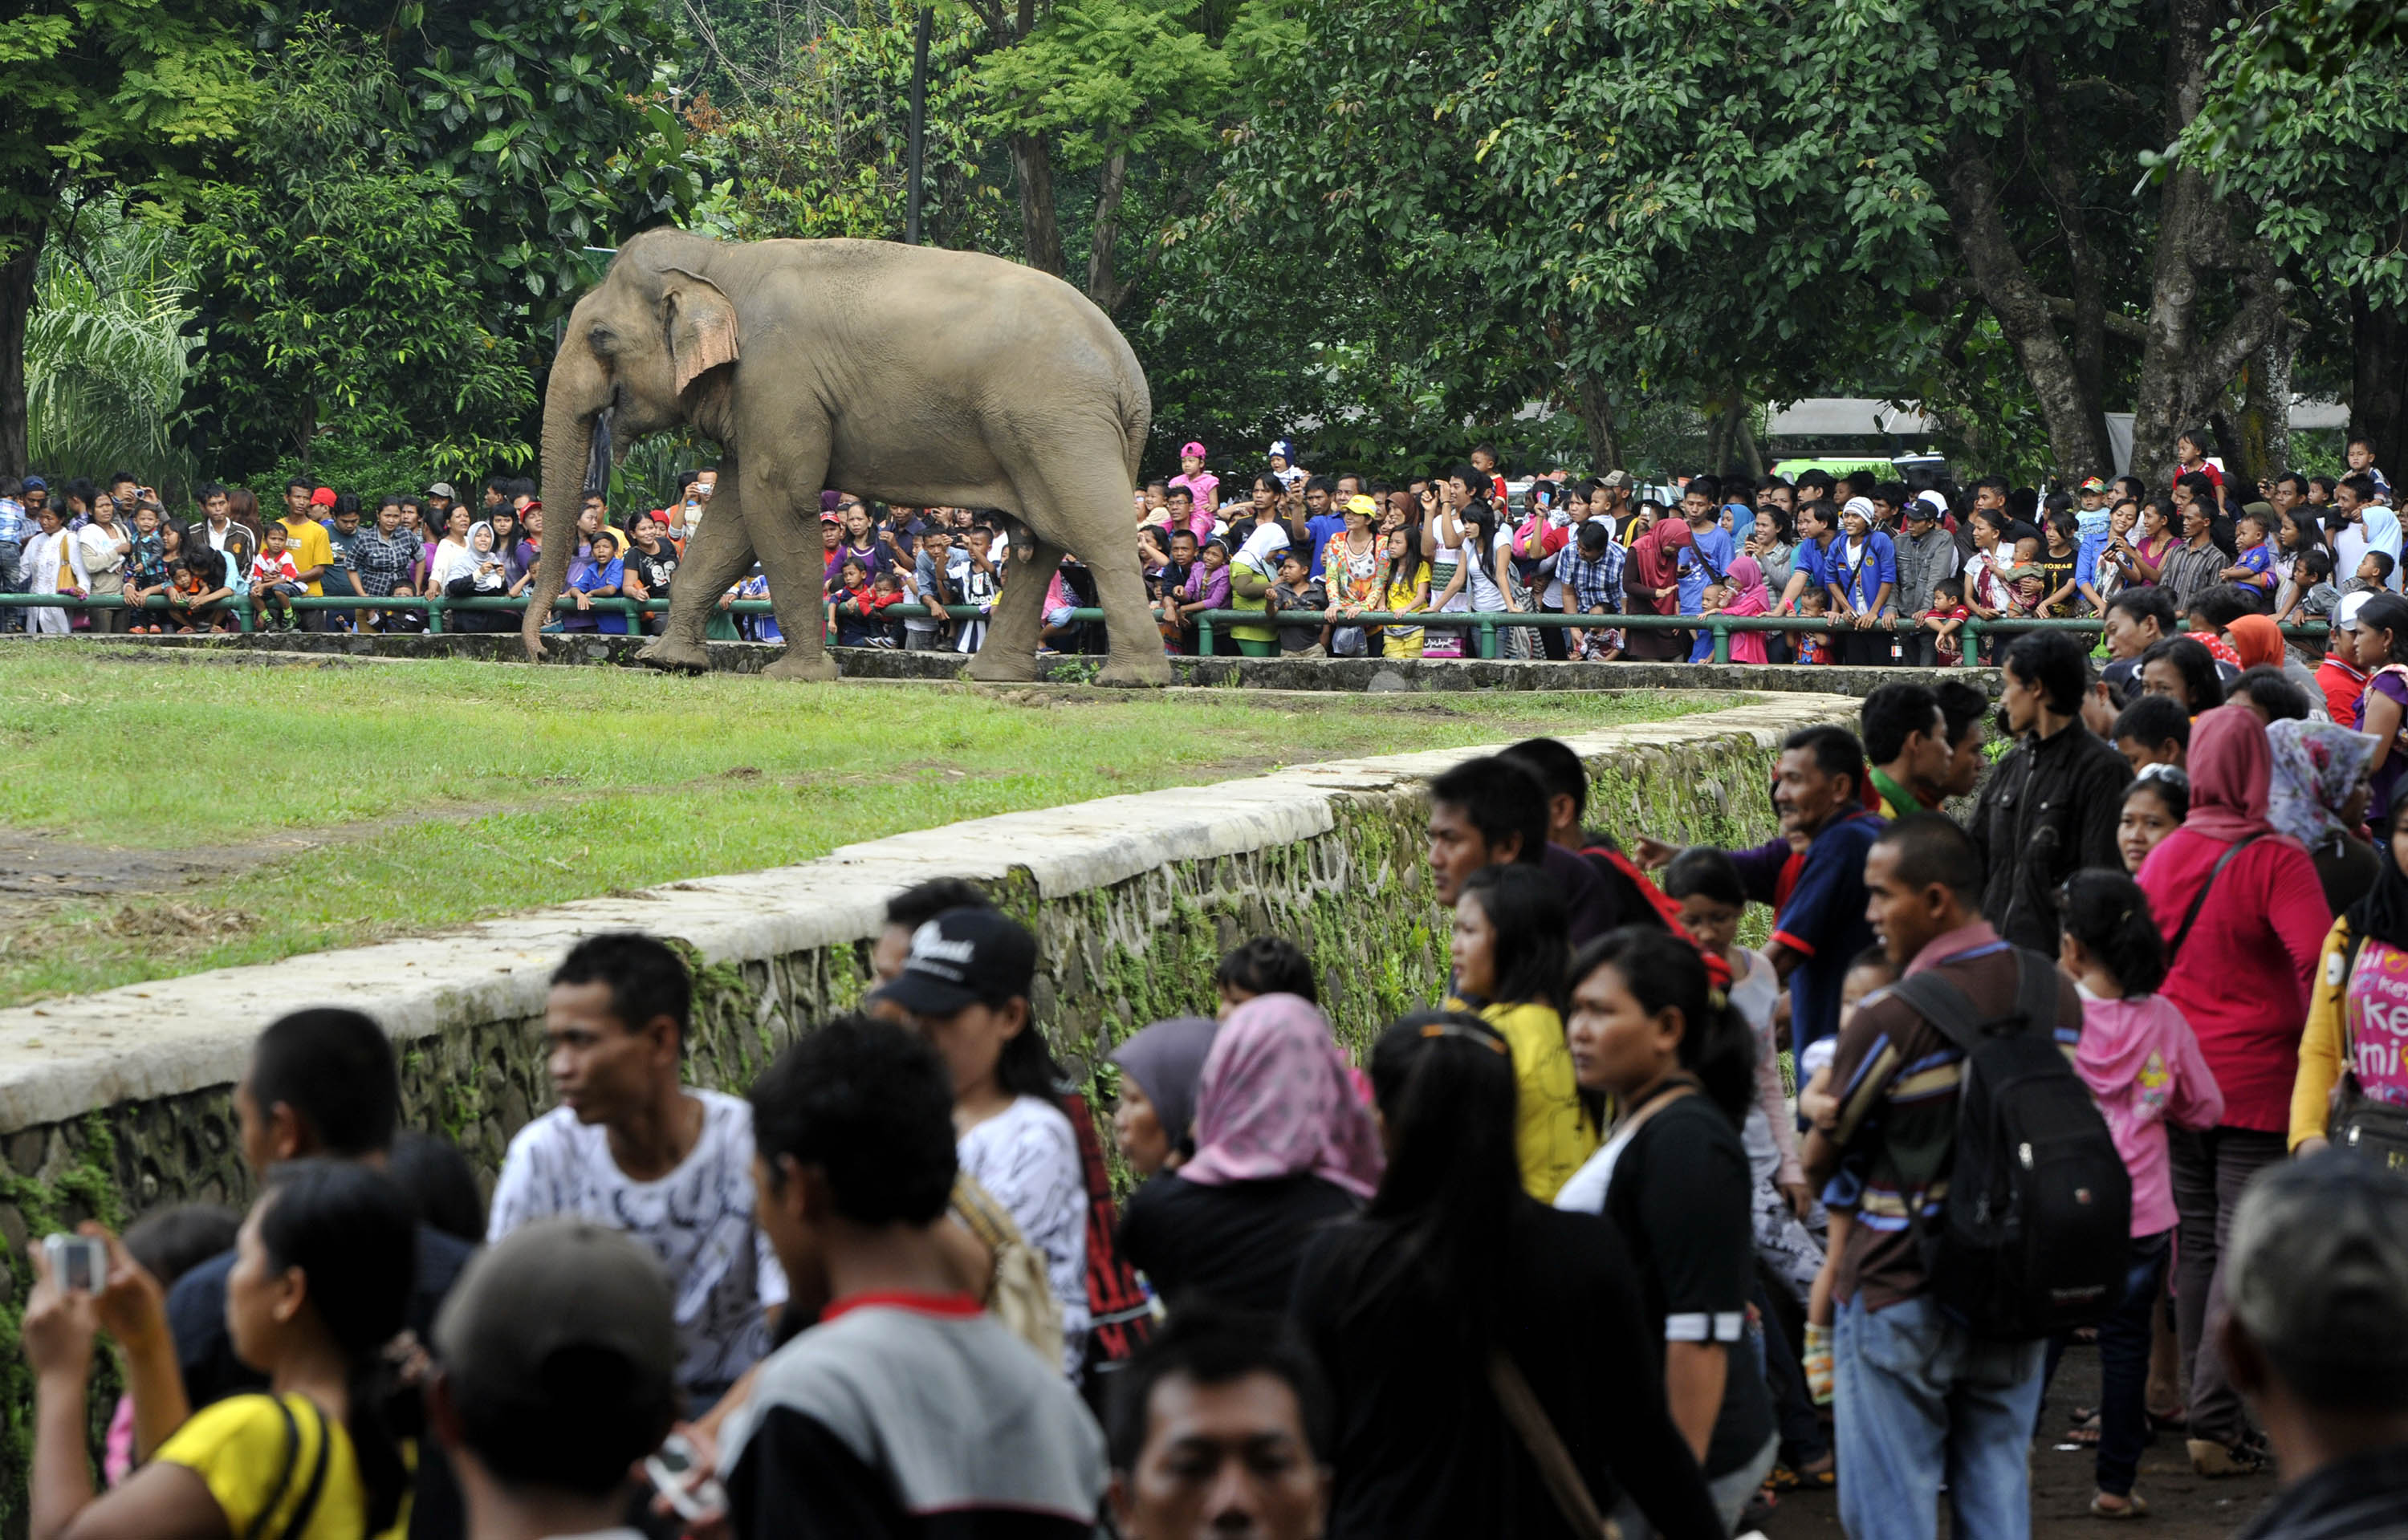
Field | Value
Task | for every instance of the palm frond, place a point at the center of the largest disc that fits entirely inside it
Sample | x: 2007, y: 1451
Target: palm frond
x: 106, y: 357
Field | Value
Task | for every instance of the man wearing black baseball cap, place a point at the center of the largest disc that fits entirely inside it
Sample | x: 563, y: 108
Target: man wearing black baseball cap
x: 965, y: 988
x: 963, y: 958
x: 558, y: 1371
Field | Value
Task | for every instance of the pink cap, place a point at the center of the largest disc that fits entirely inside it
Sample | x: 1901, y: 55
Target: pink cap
x: 1186, y: 450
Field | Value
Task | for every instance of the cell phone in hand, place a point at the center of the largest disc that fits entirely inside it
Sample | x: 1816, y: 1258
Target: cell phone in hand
x: 669, y: 1469
x: 79, y: 1263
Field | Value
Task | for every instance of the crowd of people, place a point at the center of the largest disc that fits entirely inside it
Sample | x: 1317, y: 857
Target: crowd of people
x: 1895, y: 571
x: 1636, y: 1224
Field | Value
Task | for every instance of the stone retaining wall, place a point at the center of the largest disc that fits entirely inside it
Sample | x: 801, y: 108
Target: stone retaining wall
x: 116, y: 1103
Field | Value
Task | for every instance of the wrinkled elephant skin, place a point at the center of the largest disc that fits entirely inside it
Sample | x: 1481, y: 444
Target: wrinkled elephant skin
x: 917, y: 376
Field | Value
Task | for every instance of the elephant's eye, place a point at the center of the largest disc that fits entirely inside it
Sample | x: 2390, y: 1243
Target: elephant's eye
x: 602, y: 339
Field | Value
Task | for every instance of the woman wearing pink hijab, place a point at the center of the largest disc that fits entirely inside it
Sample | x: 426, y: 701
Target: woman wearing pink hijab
x: 1748, y: 597
x: 2244, y: 917
x: 1283, y: 1145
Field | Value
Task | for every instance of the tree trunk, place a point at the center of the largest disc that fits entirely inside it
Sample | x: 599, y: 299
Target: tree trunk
x: 1751, y: 453
x: 1717, y: 415
x: 16, y: 310
x: 2060, y: 174
x: 2077, y: 434
x: 1040, y: 233
x: 2261, y: 443
x: 1596, y: 412
x: 2183, y: 371
x: 1104, y: 285
x: 2378, y: 398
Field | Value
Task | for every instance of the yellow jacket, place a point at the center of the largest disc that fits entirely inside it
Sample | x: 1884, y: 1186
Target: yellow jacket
x: 2320, y: 1043
x: 1552, y: 1132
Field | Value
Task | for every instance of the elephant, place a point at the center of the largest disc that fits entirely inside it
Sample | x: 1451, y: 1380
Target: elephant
x: 913, y: 375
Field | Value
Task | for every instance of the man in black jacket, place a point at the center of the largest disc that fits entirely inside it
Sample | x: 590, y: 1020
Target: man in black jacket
x: 2051, y: 804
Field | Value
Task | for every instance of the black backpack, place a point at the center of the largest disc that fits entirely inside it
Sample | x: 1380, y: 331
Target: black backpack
x: 2033, y: 1236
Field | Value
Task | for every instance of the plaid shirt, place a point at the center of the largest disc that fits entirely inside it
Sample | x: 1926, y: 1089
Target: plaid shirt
x: 1595, y: 585
x: 383, y: 562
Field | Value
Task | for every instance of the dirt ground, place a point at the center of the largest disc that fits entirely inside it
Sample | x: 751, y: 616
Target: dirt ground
x: 2182, y: 1507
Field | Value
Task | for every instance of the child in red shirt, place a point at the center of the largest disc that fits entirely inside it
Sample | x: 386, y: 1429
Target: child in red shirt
x: 1945, y: 619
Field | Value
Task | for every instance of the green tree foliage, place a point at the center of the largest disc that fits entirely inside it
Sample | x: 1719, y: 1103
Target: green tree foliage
x: 1719, y: 203
x: 343, y: 318
x: 543, y: 115
x: 826, y: 153
x: 101, y: 95
x: 2305, y: 123
x: 104, y: 353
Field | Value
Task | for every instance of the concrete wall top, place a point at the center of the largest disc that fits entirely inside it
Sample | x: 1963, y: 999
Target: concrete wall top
x: 61, y: 1058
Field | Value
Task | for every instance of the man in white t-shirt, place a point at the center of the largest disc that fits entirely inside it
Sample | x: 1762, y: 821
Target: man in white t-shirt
x: 632, y: 1148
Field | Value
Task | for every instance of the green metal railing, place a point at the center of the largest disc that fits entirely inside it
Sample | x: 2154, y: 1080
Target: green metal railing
x: 1487, y: 623
x: 1483, y: 624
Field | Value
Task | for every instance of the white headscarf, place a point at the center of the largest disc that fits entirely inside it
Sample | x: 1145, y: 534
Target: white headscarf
x: 458, y: 560
x: 1267, y: 538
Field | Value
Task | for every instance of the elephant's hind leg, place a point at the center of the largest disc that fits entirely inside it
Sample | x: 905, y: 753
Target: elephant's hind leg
x: 1085, y: 497
x: 1008, y: 654
x: 714, y: 560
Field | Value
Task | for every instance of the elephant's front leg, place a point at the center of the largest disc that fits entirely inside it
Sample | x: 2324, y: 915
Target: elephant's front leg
x: 1008, y: 654
x: 781, y: 510
x: 715, y: 560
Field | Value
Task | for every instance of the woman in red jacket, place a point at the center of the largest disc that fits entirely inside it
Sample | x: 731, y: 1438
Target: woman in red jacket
x: 2244, y: 919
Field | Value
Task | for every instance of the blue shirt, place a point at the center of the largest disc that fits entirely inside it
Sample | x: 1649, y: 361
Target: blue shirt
x: 1824, y: 922
x: 2086, y: 557
x: 15, y: 528
x: 1318, y: 534
x: 1712, y: 548
x: 1813, y: 561
x: 2259, y: 561
x: 1861, y: 577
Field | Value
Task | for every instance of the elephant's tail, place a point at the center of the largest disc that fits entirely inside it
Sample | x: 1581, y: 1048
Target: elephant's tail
x: 1136, y: 416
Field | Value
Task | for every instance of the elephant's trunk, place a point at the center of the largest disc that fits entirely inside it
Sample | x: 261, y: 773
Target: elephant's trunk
x: 574, y: 443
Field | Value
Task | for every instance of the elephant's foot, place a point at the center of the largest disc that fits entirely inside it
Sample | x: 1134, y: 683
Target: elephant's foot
x: 675, y: 653
x: 1149, y: 670
x: 806, y: 667
x: 1001, y: 665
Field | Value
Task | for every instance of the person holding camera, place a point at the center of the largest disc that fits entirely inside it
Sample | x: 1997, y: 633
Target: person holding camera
x: 321, y: 1284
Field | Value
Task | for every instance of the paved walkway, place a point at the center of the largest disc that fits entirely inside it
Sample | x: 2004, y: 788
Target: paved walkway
x: 2182, y: 1507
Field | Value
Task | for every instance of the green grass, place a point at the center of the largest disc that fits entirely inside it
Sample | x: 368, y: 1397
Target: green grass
x: 451, y: 792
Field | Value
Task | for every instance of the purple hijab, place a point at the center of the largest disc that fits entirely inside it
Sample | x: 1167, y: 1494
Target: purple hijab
x: 1166, y: 1060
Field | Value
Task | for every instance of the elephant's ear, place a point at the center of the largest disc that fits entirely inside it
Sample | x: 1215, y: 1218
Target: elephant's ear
x: 700, y: 322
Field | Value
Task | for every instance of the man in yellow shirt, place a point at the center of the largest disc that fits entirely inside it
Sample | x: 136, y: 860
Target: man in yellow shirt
x: 305, y: 538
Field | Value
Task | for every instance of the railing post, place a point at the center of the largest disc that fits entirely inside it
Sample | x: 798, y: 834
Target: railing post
x: 1722, y: 639
x: 434, y: 614
x: 1971, y: 656
x: 1204, y: 633
x: 1487, y: 636
x: 241, y: 602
